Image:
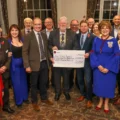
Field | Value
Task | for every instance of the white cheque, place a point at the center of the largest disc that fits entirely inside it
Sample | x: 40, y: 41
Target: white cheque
x: 69, y: 58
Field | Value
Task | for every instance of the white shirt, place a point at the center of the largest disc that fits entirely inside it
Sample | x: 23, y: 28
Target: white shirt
x: 26, y: 30
x: 115, y: 32
x: 48, y: 33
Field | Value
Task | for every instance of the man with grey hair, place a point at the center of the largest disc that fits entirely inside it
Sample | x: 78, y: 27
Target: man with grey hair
x: 28, y: 26
x: 90, y: 22
x: 61, y: 39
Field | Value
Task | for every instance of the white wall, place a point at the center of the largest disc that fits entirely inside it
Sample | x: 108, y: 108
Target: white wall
x: 72, y: 9
x: 12, y: 12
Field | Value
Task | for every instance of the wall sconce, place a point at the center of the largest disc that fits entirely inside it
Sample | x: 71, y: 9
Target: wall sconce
x: 25, y: 0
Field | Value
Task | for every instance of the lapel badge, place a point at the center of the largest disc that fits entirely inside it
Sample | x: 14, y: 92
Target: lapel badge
x: 110, y: 44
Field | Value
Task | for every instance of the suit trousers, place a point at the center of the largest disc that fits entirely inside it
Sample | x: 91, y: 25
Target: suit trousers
x: 84, y: 77
x: 39, y: 78
x: 118, y: 82
x: 64, y: 72
x: 6, y: 93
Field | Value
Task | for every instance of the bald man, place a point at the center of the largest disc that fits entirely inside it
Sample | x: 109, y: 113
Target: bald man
x: 74, y: 26
x: 48, y: 26
x: 90, y: 22
x: 116, y: 26
x: 36, y: 61
x: 48, y: 22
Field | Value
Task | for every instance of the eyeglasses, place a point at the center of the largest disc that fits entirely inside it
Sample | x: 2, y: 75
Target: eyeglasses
x: 37, y: 24
x: 48, y: 22
x: 73, y: 25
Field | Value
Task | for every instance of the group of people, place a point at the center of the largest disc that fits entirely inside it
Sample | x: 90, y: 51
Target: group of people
x: 27, y: 56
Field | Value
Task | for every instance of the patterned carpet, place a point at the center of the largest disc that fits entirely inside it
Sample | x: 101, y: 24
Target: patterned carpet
x: 61, y: 110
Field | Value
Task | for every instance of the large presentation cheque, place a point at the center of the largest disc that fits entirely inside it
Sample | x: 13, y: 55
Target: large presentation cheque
x: 69, y: 58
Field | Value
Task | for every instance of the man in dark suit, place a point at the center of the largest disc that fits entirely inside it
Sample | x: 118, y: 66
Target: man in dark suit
x: 85, y: 40
x: 116, y: 26
x: 48, y: 28
x: 61, y: 39
x: 90, y: 22
x: 74, y: 26
x: 114, y: 33
x: 35, y: 57
x: 4, y: 66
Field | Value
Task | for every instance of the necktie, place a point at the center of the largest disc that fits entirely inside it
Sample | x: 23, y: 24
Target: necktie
x: 81, y: 41
x: 41, y: 47
x: 62, y: 41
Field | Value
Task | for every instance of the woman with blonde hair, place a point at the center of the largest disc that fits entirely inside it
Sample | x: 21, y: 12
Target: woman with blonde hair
x: 95, y: 29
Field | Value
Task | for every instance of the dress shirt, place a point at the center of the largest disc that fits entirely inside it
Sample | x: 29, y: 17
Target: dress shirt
x: 48, y: 33
x: 84, y: 38
x: 26, y: 30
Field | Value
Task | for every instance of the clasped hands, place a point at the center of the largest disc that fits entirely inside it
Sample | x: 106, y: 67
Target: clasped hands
x: 3, y: 69
x: 102, y: 69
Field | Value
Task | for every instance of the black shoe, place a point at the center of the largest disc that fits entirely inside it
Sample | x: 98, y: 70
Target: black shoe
x: 67, y: 96
x: 8, y: 109
x: 57, y: 96
x: 19, y: 106
x: 26, y: 102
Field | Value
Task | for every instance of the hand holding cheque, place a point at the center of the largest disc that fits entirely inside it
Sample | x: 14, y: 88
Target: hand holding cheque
x: 68, y: 58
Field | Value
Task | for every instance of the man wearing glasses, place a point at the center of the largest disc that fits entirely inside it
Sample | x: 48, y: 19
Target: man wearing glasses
x: 35, y: 57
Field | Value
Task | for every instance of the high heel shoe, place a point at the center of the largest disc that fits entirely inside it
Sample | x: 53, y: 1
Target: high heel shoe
x: 97, y: 108
x: 106, y: 111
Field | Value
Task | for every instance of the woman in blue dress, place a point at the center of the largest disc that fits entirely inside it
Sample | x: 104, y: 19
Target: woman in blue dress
x: 17, y: 71
x: 104, y: 61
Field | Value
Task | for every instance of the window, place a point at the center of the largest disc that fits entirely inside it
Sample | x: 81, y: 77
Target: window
x: 37, y: 8
x: 106, y: 9
x: 96, y: 15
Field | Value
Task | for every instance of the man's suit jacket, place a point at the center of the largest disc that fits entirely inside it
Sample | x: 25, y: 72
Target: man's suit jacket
x: 5, y: 47
x: 30, y: 51
x: 23, y: 32
x: 44, y: 31
x: 112, y: 33
x: 87, y: 45
x: 4, y: 59
x: 54, y: 40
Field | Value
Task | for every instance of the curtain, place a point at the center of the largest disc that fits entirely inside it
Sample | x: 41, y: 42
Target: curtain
x: 5, y: 14
x: 54, y: 11
x: 91, y: 5
x: 20, y: 13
